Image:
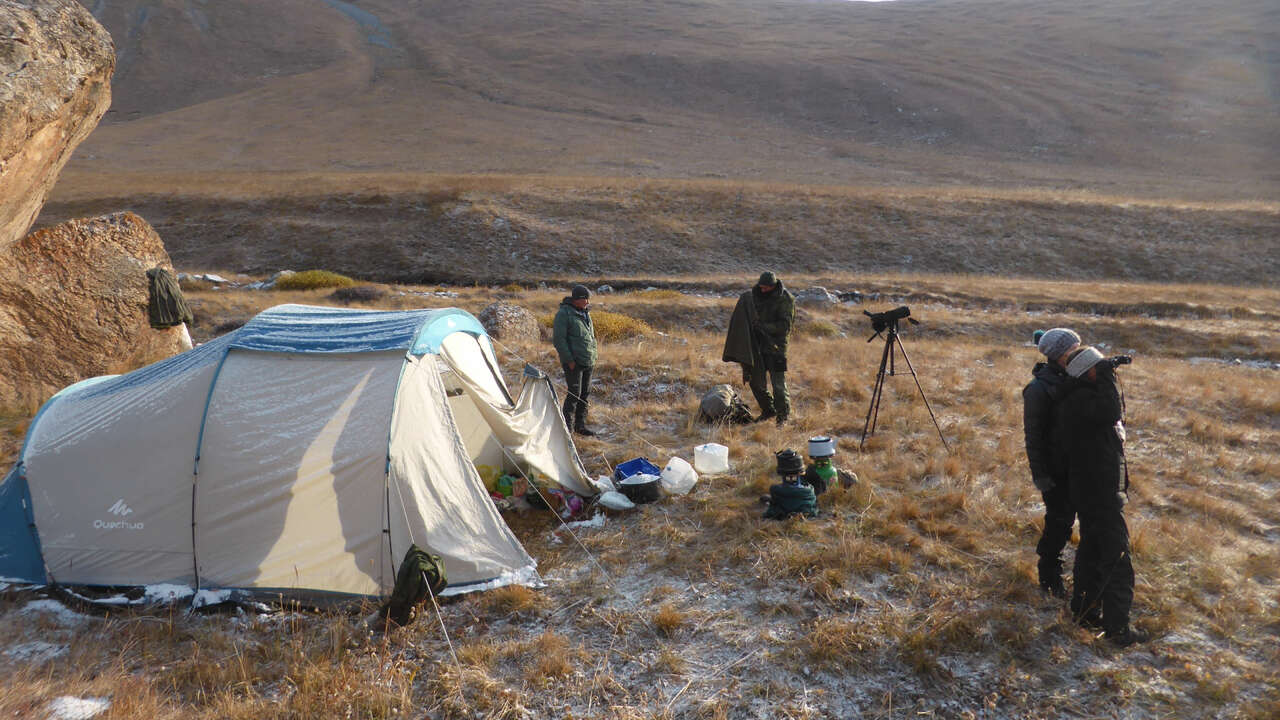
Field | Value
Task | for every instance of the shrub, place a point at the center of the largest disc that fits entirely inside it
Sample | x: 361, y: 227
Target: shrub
x: 668, y: 619
x: 818, y: 329
x: 660, y: 294
x: 312, y: 280
x: 610, y: 327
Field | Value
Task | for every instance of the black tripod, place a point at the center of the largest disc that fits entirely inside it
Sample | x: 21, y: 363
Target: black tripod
x: 881, y: 324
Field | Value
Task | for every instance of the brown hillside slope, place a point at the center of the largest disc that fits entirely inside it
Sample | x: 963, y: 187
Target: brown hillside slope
x: 503, y: 229
x: 1171, y: 98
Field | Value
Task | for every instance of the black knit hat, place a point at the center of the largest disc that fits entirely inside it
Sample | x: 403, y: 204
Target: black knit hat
x: 767, y: 278
x: 580, y: 292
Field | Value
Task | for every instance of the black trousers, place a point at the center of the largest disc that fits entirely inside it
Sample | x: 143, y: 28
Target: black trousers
x: 575, y: 400
x: 1103, y: 575
x: 1059, y: 516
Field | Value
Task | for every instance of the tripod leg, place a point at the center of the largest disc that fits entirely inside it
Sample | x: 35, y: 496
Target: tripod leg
x: 922, y: 397
x: 873, y: 409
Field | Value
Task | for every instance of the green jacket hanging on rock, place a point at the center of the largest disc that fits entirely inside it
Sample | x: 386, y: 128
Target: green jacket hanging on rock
x: 165, y: 305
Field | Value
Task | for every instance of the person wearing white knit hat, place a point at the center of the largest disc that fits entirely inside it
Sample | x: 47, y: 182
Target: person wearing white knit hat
x: 1087, y: 440
x: 1038, y: 399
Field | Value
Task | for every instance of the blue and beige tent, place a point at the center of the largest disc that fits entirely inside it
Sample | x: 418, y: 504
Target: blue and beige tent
x: 303, y: 452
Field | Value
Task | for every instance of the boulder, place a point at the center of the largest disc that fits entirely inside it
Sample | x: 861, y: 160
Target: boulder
x: 55, y: 84
x: 505, y: 321
x: 73, y: 304
x: 816, y: 296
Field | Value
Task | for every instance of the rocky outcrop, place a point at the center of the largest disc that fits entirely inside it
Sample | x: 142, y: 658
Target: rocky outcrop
x: 73, y: 304
x: 505, y: 321
x: 816, y: 295
x: 55, y: 84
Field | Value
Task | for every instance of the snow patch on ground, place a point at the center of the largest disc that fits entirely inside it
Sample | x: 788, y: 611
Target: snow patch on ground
x: 210, y: 597
x: 73, y: 708
x: 166, y: 593
x: 61, y: 612
x: 36, y: 652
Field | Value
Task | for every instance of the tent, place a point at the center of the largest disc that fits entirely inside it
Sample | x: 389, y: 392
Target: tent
x: 303, y: 452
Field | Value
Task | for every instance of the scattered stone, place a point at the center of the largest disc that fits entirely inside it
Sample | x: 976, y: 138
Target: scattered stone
x: 215, y: 279
x: 505, y: 321
x: 604, y: 289
x: 816, y: 296
x: 73, y: 304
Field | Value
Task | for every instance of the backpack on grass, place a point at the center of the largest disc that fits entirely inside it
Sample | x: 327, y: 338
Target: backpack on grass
x: 420, y: 574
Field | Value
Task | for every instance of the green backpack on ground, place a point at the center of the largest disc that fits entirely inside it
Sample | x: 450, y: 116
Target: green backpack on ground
x: 420, y: 574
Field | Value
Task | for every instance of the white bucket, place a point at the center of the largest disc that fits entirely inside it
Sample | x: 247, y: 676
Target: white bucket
x: 678, y: 477
x: 711, y: 459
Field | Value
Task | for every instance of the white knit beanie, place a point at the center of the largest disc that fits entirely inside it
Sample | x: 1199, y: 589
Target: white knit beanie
x: 1082, y: 360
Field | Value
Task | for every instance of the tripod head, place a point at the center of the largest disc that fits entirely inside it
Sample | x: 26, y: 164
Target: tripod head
x: 888, y: 320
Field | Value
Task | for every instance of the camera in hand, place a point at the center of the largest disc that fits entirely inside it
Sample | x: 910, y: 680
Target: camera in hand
x: 1116, y: 361
x: 889, y: 318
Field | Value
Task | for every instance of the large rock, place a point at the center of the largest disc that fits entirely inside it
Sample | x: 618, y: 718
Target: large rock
x: 816, y: 295
x: 505, y: 321
x: 73, y: 304
x: 55, y: 84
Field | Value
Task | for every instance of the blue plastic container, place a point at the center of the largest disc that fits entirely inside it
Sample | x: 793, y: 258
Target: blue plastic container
x: 637, y: 466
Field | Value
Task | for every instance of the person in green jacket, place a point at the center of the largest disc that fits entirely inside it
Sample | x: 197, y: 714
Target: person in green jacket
x: 575, y: 340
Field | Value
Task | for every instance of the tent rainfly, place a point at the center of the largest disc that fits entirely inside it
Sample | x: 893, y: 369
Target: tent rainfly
x: 302, y: 453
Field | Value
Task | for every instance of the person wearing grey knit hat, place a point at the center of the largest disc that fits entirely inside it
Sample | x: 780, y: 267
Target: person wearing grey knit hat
x: 1057, y: 342
x: 1049, y: 477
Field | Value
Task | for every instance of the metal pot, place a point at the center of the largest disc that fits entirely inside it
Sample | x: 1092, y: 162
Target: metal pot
x: 641, y: 489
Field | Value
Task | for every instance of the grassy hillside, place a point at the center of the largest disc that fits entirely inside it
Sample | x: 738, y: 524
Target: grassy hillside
x: 1170, y: 98
x: 495, y: 229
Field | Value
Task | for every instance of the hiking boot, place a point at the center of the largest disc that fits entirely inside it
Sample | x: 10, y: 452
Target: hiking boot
x: 1126, y: 637
x: 1054, y: 588
x: 580, y: 422
x: 781, y: 420
x: 767, y: 414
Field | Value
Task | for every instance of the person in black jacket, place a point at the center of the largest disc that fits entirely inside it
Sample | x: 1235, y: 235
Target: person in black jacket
x: 1037, y: 424
x: 1089, y: 445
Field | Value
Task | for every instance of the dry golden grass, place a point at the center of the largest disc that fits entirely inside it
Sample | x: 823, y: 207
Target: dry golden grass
x: 921, y: 574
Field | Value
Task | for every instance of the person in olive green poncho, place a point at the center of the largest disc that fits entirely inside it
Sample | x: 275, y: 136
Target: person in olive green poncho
x: 757, y: 339
x: 575, y: 340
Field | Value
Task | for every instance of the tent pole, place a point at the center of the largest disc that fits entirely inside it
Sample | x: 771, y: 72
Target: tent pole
x: 195, y: 467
